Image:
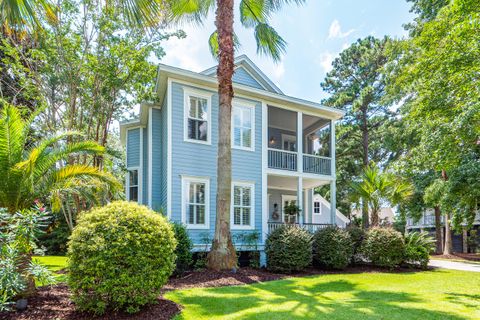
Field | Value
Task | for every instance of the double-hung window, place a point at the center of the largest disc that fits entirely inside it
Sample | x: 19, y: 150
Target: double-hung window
x: 316, y: 207
x: 243, y: 205
x: 133, y: 185
x: 243, y: 126
x: 196, y: 202
x: 197, y: 116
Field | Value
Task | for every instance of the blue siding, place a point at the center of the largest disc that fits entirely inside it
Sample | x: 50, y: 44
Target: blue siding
x: 243, y: 77
x: 156, y: 123
x: 275, y: 196
x: 145, y: 166
x: 164, y: 177
x: 200, y: 160
x: 133, y: 147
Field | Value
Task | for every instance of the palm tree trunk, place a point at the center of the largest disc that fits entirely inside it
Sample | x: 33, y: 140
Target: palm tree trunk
x: 447, y: 250
x: 222, y: 256
x: 438, y: 231
x: 374, y: 217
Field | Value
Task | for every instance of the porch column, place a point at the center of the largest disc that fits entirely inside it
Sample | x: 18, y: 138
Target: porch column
x: 300, y: 199
x: 299, y: 142
x: 333, y: 186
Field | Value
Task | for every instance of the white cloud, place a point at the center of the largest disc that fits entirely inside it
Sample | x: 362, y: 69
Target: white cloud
x: 335, y: 30
x: 325, y: 61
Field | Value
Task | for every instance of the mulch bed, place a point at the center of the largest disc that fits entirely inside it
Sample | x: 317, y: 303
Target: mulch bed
x: 53, y: 302
x: 465, y: 256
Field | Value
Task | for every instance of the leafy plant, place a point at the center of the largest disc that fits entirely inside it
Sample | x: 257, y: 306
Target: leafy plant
x: 332, y: 248
x: 383, y: 247
x: 183, y: 251
x: 288, y: 249
x: 418, y: 246
x: 357, y: 235
x: 291, y: 211
x: 120, y: 256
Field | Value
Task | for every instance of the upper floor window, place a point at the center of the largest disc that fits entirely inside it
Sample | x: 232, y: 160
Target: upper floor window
x: 316, y: 207
x: 197, y: 116
x: 243, y: 126
x: 133, y: 185
x: 195, y: 202
x: 243, y: 205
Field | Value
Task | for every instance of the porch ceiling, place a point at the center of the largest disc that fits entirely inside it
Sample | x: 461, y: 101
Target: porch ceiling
x: 290, y: 183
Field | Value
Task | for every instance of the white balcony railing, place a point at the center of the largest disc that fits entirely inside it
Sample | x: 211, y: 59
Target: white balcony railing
x: 311, y: 227
x: 282, y: 159
x: 316, y: 164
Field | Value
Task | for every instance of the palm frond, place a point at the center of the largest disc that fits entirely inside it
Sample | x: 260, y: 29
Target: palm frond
x: 190, y: 11
x: 253, y: 12
x: 26, y: 15
x: 269, y: 42
x: 213, y: 43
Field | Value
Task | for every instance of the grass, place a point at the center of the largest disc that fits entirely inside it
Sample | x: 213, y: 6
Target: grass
x: 54, y: 263
x: 440, y: 294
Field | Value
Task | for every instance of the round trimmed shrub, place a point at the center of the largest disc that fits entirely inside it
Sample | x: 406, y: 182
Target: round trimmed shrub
x: 288, y: 249
x: 120, y: 256
x: 332, y: 248
x: 383, y: 247
x: 184, y: 249
x: 357, y: 235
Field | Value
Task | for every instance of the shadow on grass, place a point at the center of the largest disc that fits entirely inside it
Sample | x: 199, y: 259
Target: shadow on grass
x: 286, y: 299
x: 468, y: 300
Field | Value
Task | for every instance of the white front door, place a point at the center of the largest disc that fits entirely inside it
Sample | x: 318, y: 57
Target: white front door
x: 286, y: 199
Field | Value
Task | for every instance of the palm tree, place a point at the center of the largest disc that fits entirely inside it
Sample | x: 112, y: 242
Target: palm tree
x: 32, y: 170
x: 253, y: 14
x: 375, y: 188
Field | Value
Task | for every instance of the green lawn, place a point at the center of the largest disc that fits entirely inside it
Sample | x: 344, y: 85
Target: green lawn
x: 54, y: 263
x: 422, y: 295
x: 440, y: 294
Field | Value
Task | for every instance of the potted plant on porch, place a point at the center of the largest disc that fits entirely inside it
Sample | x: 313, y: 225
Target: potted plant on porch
x: 292, y: 212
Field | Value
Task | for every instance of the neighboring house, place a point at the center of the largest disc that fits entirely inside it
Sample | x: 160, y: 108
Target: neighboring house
x: 282, y: 148
x: 427, y: 223
x: 386, y: 215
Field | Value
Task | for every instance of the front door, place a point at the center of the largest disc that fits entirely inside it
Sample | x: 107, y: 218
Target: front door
x: 286, y: 199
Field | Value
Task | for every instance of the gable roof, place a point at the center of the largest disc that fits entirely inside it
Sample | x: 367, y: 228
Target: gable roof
x: 244, y: 65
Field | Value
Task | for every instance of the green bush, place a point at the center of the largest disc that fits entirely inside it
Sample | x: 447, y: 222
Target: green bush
x: 184, y: 249
x: 120, y: 256
x: 357, y: 235
x: 383, y: 247
x: 288, y: 249
x: 332, y: 248
x: 418, y: 246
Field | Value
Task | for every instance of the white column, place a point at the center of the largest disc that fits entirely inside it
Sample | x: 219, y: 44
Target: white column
x: 299, y: 141
x: 333, y: 186
x: 300, y: 196
x: 265, y: 212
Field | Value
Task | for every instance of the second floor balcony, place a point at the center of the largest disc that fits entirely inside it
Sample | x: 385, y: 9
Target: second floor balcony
x: 299, y: 142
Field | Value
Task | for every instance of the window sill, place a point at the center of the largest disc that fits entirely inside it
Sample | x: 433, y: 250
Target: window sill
x: 197, y: 227
x: 208, y: 143
x: 235, y: 227
x: 243, y: 148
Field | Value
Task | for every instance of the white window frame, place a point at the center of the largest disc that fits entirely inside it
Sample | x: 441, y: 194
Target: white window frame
x: 290, y: 139
x: 243, y: 104
x: 250, y: 185
x: 319, y: 208
x: 187, y: 93
x: 186, y: 180
x: 127, y: 191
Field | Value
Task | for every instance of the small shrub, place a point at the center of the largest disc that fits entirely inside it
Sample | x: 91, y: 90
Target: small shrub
x: 383, y: 247
x: 332, y: 248
x: 184, y: 249
x: 288, y: 249
x: 120, y: 256
x: 418, y: 246
x: 357, y: 235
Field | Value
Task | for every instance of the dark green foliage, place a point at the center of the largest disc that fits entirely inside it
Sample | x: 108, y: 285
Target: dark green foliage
x: 357, y: 235
x: 55, y: 238
x: 288, y: 249
x: 418, y: 246
x: 120, y: 256
x: 332, y: 248
x: 184, y: 249
x: 383, y: 247
x: 473, y: 241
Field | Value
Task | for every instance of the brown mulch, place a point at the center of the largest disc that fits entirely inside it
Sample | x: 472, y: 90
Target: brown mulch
x: 53, y: 302
x: 465, y: 256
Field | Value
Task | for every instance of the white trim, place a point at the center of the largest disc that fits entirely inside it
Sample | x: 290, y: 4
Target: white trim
x: 150, y: 175
x: 251, y: 185
x: 190, y: 92
x: 265, y: 200
x: 127, y: 187
x: 169, y: 148
x: 237, y: 103
x: 288, y: 197
x: 187, y: 179
x: 140, y: 171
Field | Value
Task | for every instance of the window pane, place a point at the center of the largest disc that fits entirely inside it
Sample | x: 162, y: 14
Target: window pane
x: 200, y: 196
x: 236, y: 216
x: 191, y: 193
x: 236, y: 195
x: 202, y: 130
x: 191, y: 214
x: 247, y: 137
x: 247, y: 117
x: 246, y: 216
x: 133, y: 177
x: 133, y: 193
x: 246, y: 196
x: 236, y: 136
x: 193, y: 107
x: 202, y: 108
x: 192, y: 129
x: 200, y: 214
x: 237, y: 121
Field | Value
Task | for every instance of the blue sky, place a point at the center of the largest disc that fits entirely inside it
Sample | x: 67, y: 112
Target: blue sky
x: 315, y: 32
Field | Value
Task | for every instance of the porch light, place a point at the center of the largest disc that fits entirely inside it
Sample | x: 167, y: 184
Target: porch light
x: 272, y: 140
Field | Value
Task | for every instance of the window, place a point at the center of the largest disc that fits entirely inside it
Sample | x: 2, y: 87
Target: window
x: 243, y: 205
x: 195, y: 202
x: 133, y: 185
x: 197, y: 116
x: 316, y: 207
x: 243, y: 126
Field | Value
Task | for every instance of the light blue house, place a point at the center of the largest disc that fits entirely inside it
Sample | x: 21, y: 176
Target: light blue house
x: 282, y: 148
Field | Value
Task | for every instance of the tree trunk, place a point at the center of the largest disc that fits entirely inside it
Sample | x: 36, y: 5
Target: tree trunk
x: 447, y: 250
x: 365, y: 145
x: 438, y: 231
x: 374, y: 217
x: 222, y: 256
